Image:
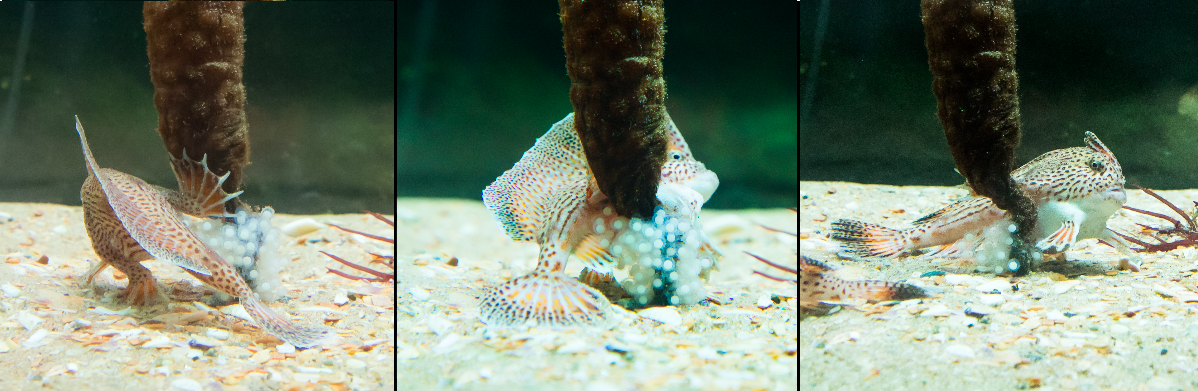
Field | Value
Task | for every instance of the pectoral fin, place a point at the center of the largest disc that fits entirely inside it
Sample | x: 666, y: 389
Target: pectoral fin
x: 594, y: 255
x: 1061, y: 239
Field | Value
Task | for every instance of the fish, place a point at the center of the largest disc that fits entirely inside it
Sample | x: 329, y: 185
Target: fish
x: 818, y: 286
x: 1075, y: 190
x: 550, y: 197
x: 130, y: 221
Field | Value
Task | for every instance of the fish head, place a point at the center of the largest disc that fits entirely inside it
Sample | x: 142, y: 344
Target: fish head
x: 1073, y: 173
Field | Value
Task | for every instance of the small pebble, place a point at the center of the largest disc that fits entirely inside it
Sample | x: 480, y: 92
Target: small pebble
x: 439, y: 325
x: 764, y: 301
x: 939, y: 310
x: 158, y: 342
x: 1119, y: 329
x: 419, y: 294
x: 996, y: 285
x: 991, y: 300
x: 72, y: 367
x: 218, y: 334
x: 35, y: 340
x: 959, y: 351
x: 340, y: 299
x: 446, y: 345
x: 638, y: 339
x: 484, y: 373
x: 236, y: 310
x: 187, y: 385
x: 574, y: 346
x: 355, y: 364
x: 301, y: 227
x: 1064, y: 286
x: 666, y: 315
x: 707, y: 354
x: 10, y: 290
x: 285, y: 348
x: 28, y: 321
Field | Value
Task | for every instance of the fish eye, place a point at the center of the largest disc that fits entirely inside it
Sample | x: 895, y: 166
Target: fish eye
x: 676, y: 156
x: 1097, y: 165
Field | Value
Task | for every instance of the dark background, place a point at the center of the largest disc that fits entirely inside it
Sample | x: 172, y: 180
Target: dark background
x: 320, y: 81
x: 481, y: 80
x: 1115, y: 68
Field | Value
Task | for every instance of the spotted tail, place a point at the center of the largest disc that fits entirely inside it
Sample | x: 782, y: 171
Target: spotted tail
x: 278, y: 326
x: 868, y: 241
x: 818, y: 285
x: 545, y: 299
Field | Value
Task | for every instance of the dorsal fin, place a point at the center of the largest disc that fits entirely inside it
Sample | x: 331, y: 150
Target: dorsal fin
x: 518, y: 197
x: 92, y: 167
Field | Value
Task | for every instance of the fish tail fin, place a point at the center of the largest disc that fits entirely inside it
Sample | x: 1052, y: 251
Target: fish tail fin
x: 278, y: 326
x: 868, y: 241
x: 546, y: 299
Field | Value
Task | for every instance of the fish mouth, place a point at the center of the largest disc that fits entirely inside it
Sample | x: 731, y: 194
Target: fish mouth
x: 1116, y: 193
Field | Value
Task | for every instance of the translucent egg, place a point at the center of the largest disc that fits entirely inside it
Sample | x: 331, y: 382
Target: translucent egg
x: 684, y: 226
x: 607, y: 211
x: 658, y: 243
x: 230, y: 232
x: 640, y: 289
x: 207, y: 226
x: 656, y: 283
x: 617, y: 224
x: 671, y: 251
x: 667, y: 265
x: 254, y: 274
x: 684, y: 289
x: 674, y: 300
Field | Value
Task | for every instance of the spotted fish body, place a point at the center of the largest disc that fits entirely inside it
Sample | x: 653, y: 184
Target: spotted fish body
x: 129, y: 221
x: 1075, y: 190
x: 818, y: 285
x: 550, y: 197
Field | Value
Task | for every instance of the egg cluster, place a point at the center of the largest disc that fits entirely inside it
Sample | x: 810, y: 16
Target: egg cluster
x: 992, y: 247
x: 664, y: 257
x: 249, y: 243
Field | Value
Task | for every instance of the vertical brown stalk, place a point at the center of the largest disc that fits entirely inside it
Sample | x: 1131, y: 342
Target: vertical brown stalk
x: 971, y: 53
x: 196, y: 53
x: 613, y: 57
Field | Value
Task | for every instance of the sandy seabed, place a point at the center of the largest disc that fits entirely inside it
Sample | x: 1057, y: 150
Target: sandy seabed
x: 58, y: 333
x: 1074, y: 324
x: 747, y: 341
